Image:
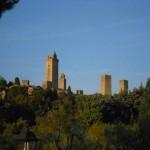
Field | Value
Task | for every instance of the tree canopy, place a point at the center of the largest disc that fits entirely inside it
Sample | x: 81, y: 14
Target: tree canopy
x: 75, y: 122
x: 6, y: 5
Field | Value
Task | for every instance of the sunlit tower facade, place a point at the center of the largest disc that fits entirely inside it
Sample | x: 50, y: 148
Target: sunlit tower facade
x: 62, y: 82
x: 123, y: 86
x: 51, y: 73
x: 106, y: 85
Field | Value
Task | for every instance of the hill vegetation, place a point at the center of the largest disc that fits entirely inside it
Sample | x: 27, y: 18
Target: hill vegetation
x: 74, y: 122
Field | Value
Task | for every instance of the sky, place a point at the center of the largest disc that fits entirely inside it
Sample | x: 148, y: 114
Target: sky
x: 90, y: 37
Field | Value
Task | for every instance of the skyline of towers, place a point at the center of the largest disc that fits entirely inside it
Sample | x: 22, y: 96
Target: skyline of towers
x: 106, y: 85
x: 62, y: 82
x: 123, y: 86
x: 51, y: 71
x: 54, y: 81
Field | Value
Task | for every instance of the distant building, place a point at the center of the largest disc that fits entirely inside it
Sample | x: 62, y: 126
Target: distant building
x: 62, y: 82
x: 106, y: 87
x: 30, y: 90
x: 25, y: 82
x: 47, y: 84
x: 79, y: 92
x: 123, y: 86
x: 51, y: 70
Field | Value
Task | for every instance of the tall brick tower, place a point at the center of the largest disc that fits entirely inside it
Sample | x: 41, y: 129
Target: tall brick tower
x: 106, y: 88
x: 62, y: 82
x: 123, y: 86
x: 51, y: 73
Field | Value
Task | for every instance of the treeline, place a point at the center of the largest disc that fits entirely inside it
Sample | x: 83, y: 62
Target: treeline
x: 74, y: 122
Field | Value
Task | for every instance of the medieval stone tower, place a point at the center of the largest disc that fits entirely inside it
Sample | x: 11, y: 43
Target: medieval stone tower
x: 51, y: 71
x: 106, y: 88
x: 62, y: 82
x: 123, y: 86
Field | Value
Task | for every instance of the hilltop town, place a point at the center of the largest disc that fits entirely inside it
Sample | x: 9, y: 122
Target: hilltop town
x: 58, y: 82
x: 58, y: 119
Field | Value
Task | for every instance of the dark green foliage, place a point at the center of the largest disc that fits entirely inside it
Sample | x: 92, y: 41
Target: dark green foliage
x: 10, y: 133
x: 17, y: 81
x: 148, y: 84
x: 115, y: 111
x: 144, y: 133
x: 131, y: 137
x: 7, y: 5
x: 61, y: 124
x: 69, y: 92
x: 73, y: 122
x: 89, y: 108
x: 42, y: 99
x: 10, y: 84
x: 17, y: 94
x: 10, y: 113
x: 3, y: 83
x: 121, y: 137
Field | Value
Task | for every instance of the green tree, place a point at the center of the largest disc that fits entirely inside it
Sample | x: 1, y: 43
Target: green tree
x: 61, y: 125
x: 17, y: 94
x: 41, y: 100
x: 115, y: 111
x: 89, y: 108
x: 121, y: 137
x: 95, y: 135
x: 17, y: 81
x: 148, y: 83
x: 10, y: 83
x: 3, y: 83
x: 144, y: 133
x: 8, y: 137
x: 6, y: 5
x: 69, y: 91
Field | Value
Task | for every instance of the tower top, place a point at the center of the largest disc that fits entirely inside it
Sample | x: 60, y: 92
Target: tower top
x: 52, y: 56
x: 51, y: 74
x: 62, y: 75
x: 55, y: 55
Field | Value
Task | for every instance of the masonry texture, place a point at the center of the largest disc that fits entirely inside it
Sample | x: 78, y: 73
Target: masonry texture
x: 62, y: 82
x: 25, y: 82
x: 51, y: 73
x: 123, y: 86
x: 106, y: 89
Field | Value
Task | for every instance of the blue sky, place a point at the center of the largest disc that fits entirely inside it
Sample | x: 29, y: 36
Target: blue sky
x: 91, y: 38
